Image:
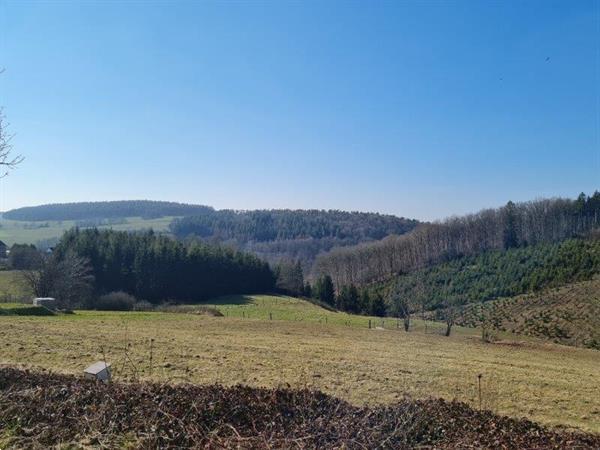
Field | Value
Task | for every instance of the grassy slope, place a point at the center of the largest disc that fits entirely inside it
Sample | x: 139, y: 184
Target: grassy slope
x: 568, y: 315
x: 549, y: 383
x: 293, y: 309
x: 13, y: 231
x: 12, y: 287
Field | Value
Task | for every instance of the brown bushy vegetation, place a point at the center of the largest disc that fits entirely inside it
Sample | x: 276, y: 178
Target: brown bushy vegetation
x: 41, y: 409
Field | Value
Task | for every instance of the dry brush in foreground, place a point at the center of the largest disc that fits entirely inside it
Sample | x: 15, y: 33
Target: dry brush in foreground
x: 39, y: 409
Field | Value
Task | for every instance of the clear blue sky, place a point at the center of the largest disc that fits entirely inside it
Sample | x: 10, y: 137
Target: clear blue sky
x: 421, y: 109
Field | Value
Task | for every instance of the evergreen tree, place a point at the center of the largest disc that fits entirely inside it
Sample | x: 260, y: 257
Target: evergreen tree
x: 324, y: 290
x: 510, y: 237
x: 307, y: 290
x: 365, y: 302
x: 378, y: 306
x: 348, y: 299
x: 157, y: 268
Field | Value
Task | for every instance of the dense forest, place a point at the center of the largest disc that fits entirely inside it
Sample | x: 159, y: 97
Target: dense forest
x: 277, y: 236
x: 158, y: 268
x: 281, y: 225
x: 494, y: 274
x: 512, y: 226
x: 104, y: 210
x: 284, y: 235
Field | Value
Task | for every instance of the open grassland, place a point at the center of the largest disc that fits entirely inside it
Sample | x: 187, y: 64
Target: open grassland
x: 20, y: 232
x: 13, y: 287
x: 274, y: 307
x: 549, y: 383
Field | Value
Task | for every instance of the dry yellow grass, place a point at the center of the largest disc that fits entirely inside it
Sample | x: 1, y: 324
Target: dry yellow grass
x: 548, y: 383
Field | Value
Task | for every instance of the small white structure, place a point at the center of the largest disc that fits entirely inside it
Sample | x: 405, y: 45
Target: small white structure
x: 98, y: 371
x: 47, y: 302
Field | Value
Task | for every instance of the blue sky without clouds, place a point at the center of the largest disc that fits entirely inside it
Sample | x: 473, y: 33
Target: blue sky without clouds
x: 420, y: 109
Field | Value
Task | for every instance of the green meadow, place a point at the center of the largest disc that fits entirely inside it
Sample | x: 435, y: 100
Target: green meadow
x: 20, y: 232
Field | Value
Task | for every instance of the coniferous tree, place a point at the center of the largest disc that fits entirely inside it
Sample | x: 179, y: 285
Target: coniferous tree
x: 378, y: 306
x: 510, y: 237
x: 365, y: 302
x: 157, y: 268
x: 307, y: 290
x: 324, y: 290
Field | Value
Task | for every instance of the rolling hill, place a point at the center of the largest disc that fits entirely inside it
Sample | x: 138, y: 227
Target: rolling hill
x: 567, y: 315
x: 273, y: 235
x: 498, y: 273
x: 103, y: 210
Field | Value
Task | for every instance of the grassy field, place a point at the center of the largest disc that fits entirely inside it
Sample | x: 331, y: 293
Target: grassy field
x: 271, y: 307
x: 12, y: 286
x: 549, y: 383
x: 14, y: 231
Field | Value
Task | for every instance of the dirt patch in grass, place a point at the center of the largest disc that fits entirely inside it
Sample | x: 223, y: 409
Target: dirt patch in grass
x: 43, y: 409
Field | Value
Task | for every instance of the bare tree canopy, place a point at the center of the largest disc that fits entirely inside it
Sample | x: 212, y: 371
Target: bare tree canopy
x: 68, y: 279
x: 7, y: 160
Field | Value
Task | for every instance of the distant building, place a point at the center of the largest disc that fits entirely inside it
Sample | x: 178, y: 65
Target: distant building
x: 46, y: 302
x: 3, y: 250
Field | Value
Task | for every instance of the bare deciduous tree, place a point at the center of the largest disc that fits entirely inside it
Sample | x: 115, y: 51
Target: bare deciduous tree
x: 403, y: 308
x: 516, y: 224
x: 7, y: 160
x: 450, y: 317
x: 68, y: 279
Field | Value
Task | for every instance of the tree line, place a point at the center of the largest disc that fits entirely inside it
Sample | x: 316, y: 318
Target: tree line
x: 494, y: 274
x: 157, y: 268
x: 104, y: 210
x: 290, y: 280
x: 279, y: 225
x: 289, y: 235
x: 511, y: 226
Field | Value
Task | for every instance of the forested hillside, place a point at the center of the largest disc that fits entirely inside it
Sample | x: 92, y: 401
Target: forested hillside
x: 281, y: 225
x: 284, y: 235
x: 104, y: 210
x: 512, y: 226
x: 158, y: 268
x: 276, y: 236
x: 494, y: 274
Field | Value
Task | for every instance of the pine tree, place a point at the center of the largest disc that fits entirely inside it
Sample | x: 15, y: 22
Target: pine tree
x: 378, y: 306
x: 510, y: 237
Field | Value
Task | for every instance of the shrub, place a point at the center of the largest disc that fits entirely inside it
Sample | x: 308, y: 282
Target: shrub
x: 143, y: 305
x: 115, y: 301
x: 27, y: 311
x: 190, y: 309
